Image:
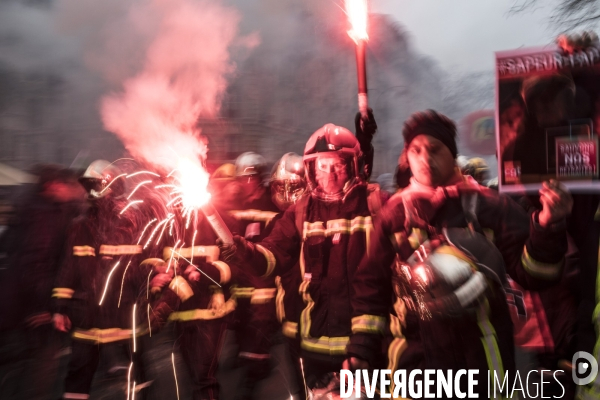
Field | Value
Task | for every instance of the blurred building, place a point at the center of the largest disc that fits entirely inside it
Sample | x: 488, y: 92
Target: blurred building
x: 301, y: 76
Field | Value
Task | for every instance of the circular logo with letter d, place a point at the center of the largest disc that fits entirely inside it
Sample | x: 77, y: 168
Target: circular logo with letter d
x: 585, y: 368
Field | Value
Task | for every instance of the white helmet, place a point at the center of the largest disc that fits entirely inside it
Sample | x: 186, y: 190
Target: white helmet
x: 250, y: 163
x: 449, y: 277
x: 102, y: 179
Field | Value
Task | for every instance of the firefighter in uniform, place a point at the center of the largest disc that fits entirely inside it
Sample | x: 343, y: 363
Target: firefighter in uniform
x: 321, y: 238
x: 254, y: 321
x: 451, y: 314
x: 197, y: 299
x: 288, y: 185
x: 99, y: 281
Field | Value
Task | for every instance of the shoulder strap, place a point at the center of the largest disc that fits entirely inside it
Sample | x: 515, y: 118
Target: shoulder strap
x: 300, y: 214
x: 469, y: 205
x: 374, y: 198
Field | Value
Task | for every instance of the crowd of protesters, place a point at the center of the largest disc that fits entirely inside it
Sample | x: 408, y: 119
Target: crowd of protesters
x: 437, y: 271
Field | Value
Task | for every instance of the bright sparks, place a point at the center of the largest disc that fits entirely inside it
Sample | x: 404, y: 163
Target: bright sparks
x: 357, y: 11
x: 130, y: 204
x: 122, y: 283
x: 129, y: 379
x: 175, y: 374
x: 137, y: 187
x: 107, y: 281
x: 133, y: 328
x: 191, y: 181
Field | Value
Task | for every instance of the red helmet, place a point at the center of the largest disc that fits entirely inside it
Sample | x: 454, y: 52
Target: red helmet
x: 326, y: 141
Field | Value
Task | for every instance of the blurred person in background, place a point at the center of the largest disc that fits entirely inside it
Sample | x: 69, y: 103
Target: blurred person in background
x: 94, y: 309
x: 34, y: 245
x: 478, y: 169
x: 198, y: 303
x: 223, y: 188
x: 288, y: 186
x: 254, y: 320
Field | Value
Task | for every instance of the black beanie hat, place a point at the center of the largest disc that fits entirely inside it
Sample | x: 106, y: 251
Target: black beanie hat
x: 431, y: 123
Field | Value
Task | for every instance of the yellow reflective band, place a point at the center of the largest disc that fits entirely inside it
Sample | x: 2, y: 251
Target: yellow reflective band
x: 211, y: 253
x: 302, y: 264
x: 400, y: 310
x: 489, y: 342
x: 99, y: 336
x: 398, y: 239
x: 270, y: 259
x: 417, y: 238
x: 368, y: 324
x: 253, y: 215
x: 204, y: 314
x: 325, y: 345
x: 305, y: 319
x: 62, y: 293
x: 303, y: 291
x: 592, y: 390
x: 279, y: 308
x: 241, y: 292
x: 180, y: 286
x: 225, y: 271
x: 346, y: 226
x: 261, y: 296
x: 290, y: 329
x: 489, y: 234
x: 538, y: 269
x: 83, y: 251
x: 395, y: 351
x: 120, y: 250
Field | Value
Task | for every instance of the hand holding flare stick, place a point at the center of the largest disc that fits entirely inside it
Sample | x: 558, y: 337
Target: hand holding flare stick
x: 357, y: 12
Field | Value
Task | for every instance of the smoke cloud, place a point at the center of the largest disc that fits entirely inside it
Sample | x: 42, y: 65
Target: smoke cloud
x: 183, y: 76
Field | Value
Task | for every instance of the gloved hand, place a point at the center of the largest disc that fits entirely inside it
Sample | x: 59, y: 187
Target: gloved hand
x: 61, y: 322
x: 192, y: 274
x: 162, y: 308
x: 237, y: 252
x: 365, y: 128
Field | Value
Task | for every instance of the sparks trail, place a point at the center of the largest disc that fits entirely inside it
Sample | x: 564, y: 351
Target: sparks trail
x: 122, y: 283
x: 133, y: 330
x: 130, y: 204
x: 129, y: 379
x: 144, y: 230
x: 111, y: 183
x: 175, y: 374
x: 107, y: 281
x: 137, y: 187
x: 142, y: 172
x: 173, y: 251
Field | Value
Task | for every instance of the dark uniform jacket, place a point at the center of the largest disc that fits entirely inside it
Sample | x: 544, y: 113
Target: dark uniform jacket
x: 324, y: 254
x: 101, y: 279
x: 479, y: 339
x: 209, y: 297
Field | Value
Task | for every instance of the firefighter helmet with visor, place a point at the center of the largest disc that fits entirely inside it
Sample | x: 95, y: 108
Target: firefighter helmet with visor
x: 331, y: 160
